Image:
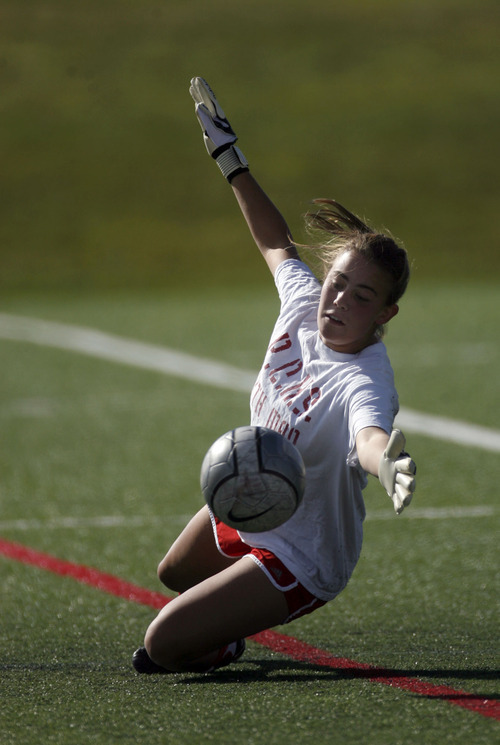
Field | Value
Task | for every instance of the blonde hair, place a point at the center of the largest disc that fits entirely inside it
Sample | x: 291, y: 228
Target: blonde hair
x: 341, y: 231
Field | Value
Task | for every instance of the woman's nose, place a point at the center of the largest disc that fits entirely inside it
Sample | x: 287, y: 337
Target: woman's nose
x: 341, y: 300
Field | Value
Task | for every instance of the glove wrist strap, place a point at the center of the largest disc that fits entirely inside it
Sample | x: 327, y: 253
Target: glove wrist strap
x: 232, y: 162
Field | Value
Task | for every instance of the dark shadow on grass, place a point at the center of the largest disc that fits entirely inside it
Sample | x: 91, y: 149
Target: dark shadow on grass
x: 294, y: 671
x: 252, y: 670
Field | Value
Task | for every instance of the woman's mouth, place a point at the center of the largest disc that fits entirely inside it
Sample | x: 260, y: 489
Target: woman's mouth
x: 335, y: 320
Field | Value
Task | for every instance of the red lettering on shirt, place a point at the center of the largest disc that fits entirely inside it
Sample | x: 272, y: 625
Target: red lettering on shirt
x: 275, y: 421
x: 277, y: 347
x: 259, y: 398
x: 296, y: 366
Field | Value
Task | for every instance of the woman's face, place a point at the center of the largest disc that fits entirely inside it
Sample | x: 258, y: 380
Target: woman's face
x: 353, y: 303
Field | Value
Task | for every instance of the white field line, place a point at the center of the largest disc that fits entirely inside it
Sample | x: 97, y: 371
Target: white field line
x: 103, y: 521
x: 201, y: 370
x: 125, y: 351
x: 122, y: 521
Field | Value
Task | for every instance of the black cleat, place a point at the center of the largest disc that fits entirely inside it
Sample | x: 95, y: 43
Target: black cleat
x: 143, y: 663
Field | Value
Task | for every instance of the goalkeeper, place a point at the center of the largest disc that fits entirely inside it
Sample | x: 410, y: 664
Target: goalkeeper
x: 327, y: 384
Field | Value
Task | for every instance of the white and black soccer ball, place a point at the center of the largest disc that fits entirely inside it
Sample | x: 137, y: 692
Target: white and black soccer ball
x: 253, y: 478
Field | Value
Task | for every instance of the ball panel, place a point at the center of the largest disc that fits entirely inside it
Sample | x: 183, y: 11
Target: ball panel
x: 219, y: 464
x: 280, y: 456
x: 253, y: 479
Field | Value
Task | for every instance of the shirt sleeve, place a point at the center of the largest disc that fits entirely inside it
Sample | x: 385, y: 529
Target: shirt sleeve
x: 296, y: 283
x: 374, y: 403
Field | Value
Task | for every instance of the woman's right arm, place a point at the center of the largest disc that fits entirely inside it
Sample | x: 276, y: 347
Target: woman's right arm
x: 266, y: 224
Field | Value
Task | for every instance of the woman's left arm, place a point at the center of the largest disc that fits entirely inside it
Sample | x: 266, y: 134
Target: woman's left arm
x: 383, y: 456
x: 370, y: 444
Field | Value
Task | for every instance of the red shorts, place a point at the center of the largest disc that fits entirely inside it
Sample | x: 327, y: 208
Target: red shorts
x: 300, y: 601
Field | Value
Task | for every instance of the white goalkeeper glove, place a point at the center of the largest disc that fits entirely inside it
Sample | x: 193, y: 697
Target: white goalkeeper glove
x: 218, y: 134
x: 396, y: 472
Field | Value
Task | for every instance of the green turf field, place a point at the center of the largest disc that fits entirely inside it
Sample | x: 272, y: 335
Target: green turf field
x: 84, y: 439
x: 112, y: 217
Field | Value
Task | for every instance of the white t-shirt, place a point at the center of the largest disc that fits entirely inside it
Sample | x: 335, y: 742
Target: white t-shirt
x: 320, y: 399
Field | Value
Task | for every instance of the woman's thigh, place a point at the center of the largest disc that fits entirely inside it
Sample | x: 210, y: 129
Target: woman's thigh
x: 194, y: 555
x: 235, y: 603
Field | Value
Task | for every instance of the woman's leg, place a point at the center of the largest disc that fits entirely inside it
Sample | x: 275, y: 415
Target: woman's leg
x: 234, y: 603
x: 194, y: 556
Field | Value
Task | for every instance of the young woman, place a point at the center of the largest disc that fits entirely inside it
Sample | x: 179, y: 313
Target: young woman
x: 327, y: 384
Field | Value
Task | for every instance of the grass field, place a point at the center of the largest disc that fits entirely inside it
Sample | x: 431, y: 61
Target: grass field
x: 84, y: 439
x: 113, y: 218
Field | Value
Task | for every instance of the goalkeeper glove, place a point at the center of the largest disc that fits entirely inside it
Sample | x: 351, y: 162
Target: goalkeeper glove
x: 218, y: 134
x: 396, y: 472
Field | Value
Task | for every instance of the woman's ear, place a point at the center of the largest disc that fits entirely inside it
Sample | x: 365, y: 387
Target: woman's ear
x: 387, y: 313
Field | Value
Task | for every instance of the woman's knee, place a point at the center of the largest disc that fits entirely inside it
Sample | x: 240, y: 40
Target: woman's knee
x: 168, y: 574
x: 162, y: 649
x: 168, y: 645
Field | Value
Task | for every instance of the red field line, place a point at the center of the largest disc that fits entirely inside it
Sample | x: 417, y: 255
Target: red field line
x: 304, y: 652
x: 280, y: 643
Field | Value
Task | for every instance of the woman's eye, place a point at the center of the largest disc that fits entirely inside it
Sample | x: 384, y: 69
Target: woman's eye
x: 363, y: 299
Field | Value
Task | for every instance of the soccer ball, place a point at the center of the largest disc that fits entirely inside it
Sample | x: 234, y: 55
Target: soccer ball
x: 253, y: 479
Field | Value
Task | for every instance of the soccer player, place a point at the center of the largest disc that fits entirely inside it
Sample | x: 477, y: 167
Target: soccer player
x: 327, y: 384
